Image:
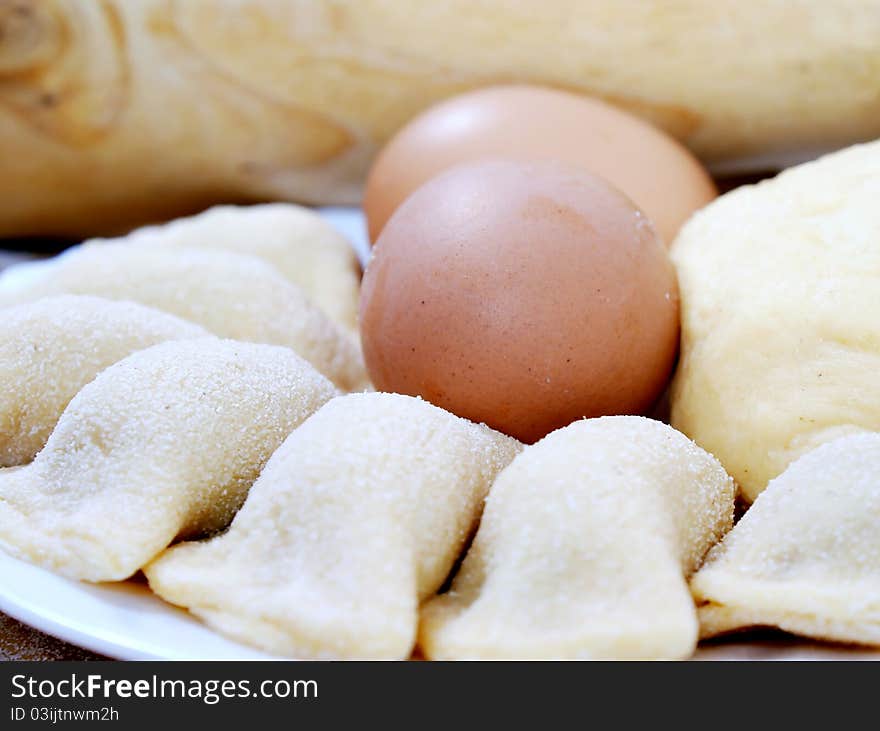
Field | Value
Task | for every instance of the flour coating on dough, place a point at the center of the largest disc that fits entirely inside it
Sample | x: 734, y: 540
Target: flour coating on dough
x: 296, y: 240
x: 231, y: 295
x: 358, y: 517
x: 806, y: 556
x: 584, y: 548
x: 51, y: 348
x: 161, y: 445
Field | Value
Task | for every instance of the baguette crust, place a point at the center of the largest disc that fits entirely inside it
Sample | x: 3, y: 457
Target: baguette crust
x: 290, y: 99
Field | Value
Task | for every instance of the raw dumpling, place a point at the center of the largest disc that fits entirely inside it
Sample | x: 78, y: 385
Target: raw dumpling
x: 584, y: 549
x: 806, y: 556
x: 297, y: 241
x: 232, y: 295
x: 51, y: 348
x: 780, y: 297
x: 358, y: 517
x: 162, y: 445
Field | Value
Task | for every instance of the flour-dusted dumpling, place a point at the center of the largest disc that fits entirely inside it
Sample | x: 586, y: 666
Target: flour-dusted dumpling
x: 162, y: 445
x: 297, y: 241
x: 358, y: 517
x: 232, y: 295
x: 51, y: 348
x: 584, y: 549
x: 806, y: 556
x: 780, y: 297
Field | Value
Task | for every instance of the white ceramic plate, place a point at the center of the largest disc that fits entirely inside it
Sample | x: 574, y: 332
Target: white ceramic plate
x: 128, y: 622
x: 125, y: 620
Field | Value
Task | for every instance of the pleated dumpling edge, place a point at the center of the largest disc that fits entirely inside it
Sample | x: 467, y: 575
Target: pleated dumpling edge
x: 358, y: 517
x: 163, y: 444
x: 806, y: 556
x: 51, y: 348
x: 231, y: 295
x: 584, y: 549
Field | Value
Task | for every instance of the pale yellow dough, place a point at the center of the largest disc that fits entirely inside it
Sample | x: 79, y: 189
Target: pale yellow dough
x: 231, y: 295
x: 806, y: 556
x: 297, y: 241
x: 584, y: 549
x: 161, y: 445
x: 51, y: 348
x: 358, y: 517
x: 780, y: 302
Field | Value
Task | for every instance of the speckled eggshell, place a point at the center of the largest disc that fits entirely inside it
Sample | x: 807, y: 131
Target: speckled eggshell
x: 535, y: 123
x: 522, y: 295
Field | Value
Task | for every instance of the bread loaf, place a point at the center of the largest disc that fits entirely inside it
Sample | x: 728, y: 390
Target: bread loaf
x: 117, y: 112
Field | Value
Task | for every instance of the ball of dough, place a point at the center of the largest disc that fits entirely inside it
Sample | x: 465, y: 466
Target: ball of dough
x: 780, y: 287
x: 522, y: 295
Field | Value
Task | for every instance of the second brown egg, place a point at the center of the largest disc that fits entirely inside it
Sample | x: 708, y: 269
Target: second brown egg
x: 533, y: 123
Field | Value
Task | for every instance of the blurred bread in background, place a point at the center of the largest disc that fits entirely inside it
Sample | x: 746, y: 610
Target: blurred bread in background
x: 120, y: 112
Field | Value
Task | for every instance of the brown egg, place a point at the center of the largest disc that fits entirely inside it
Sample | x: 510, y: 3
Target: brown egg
x: 523, y: 295
x: 533, y: 123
